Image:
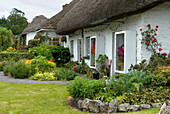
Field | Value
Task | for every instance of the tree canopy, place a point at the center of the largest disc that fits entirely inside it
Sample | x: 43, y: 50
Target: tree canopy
x: 15, y: 21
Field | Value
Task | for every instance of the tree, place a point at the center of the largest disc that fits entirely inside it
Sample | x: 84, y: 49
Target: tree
x: 6, y: 38
x: 3, y: 22
x: 16, y: 21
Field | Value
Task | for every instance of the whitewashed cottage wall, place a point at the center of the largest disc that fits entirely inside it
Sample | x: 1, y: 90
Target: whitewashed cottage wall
x: 159, y: 15
x: 30, y: 36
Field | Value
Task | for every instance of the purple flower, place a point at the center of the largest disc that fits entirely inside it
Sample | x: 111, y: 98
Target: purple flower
x: 104, y: 89
x: 109, y: 80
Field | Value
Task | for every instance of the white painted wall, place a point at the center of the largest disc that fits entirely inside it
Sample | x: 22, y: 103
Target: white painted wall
x: 159, y: 15
x: 30, y: 36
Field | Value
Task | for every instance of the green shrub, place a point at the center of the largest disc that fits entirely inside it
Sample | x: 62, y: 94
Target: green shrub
x: 71, y: 64
x: 41, y: 64
x: 159, y: 59
x: 46, y: 76
x: 122, y: 83
x: 83, y: 88
x: 12, y: 56
x: 20, y: 70
x: 1, y: 66
x: 42, y: 50
x: 6, y: 38
x: 162, y: 76
x: 81, y: 68
x: 146, y: 96
x: 65, y: 74
x: 61, y: 55
x: 33, y: 43
x: 6, y: 69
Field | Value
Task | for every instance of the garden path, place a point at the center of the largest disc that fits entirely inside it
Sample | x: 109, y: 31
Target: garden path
x: 29, y: 81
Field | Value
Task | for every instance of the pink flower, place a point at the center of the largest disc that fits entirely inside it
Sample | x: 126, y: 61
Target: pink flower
x: 146, y: 43
x: 157, y: 26
x: 110, y: 61
x: 160, y: 49
x: 146, y: 39
x: 155, y: 34
x: 88, y: 71
x: 165, y: 54
x: 156, y: 29
x: 140, y: 29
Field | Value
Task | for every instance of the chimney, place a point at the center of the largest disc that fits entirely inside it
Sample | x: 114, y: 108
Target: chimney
x: 65, y: 6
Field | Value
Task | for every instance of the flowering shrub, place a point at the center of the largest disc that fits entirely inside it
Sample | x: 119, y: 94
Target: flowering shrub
x: 81, y: 68
x: 46, y: 76
x: 158, y: 58
x: 41, y: 64
x: 149, y: 38
x: 103, y: 65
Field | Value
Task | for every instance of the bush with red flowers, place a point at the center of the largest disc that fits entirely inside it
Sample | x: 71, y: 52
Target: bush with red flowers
x: 158, y: 58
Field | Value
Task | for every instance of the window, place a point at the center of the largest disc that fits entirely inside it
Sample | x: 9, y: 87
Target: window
x: 72, y: 47
x: 54, y: 41
x: 87, y: 47
x: 124, y: 51
x: 93, y: 52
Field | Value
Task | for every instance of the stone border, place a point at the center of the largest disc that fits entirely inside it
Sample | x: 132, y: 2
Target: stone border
x: 97, y: 106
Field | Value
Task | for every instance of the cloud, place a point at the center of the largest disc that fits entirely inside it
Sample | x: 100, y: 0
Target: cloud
x: 32, y: 8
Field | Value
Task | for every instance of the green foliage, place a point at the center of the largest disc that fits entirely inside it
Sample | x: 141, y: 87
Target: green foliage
x: 146, y: 96
x: 103, y: 65
x: 132, y: 81
x: 71, y: 64
x: 65, y: 74
x: 33, y: 43
x: 6, y: 38
x: 46, y: 76
x: 6, y: 69
x: 13, y: 56
x: 159, y: 59
x: 162, y: 76
x: 81, y: 68
x: 20, y: 70
x: 16, y: 21
x: 41, y: 64
x: 42, y: 50
x: 1, y: 66
x: 83, y: 88
x: 61, y: 55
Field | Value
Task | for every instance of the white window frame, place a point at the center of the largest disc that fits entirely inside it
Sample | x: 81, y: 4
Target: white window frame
x: 93, y: 37
x: 129, y: 50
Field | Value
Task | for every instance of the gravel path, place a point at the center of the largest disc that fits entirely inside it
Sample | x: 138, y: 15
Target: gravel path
x: 28, y: 81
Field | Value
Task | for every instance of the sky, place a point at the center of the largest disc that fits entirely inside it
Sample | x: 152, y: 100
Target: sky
x: 32, y: 8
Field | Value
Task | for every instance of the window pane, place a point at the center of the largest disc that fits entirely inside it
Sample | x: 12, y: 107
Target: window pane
x: 120, y: 52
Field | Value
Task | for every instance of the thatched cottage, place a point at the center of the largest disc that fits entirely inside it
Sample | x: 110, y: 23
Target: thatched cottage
x: 107, y: 25
x: 49, y: 27
x: 31, y: 30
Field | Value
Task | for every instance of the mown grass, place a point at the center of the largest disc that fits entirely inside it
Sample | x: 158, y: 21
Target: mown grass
x: 39, y: 99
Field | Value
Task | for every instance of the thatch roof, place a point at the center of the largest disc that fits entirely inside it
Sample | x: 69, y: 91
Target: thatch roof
x: 88, y: 13
x: 50, y: 23
x: 35, y: 24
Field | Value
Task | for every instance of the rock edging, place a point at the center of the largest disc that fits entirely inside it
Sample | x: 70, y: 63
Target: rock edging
x: 97, y: 106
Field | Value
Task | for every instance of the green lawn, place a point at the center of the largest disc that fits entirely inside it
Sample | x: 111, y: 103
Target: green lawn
x: 38, y: 99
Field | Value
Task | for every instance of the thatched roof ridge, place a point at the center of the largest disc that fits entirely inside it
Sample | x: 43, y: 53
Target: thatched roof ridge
x: 90, y: 13
x: 35, y: 24
x: 50, y: 23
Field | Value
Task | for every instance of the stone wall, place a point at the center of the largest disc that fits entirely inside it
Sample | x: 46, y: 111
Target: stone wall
x: 97, y: 106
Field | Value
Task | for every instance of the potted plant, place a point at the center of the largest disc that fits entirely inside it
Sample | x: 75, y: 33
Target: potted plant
x: 63, y: 38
